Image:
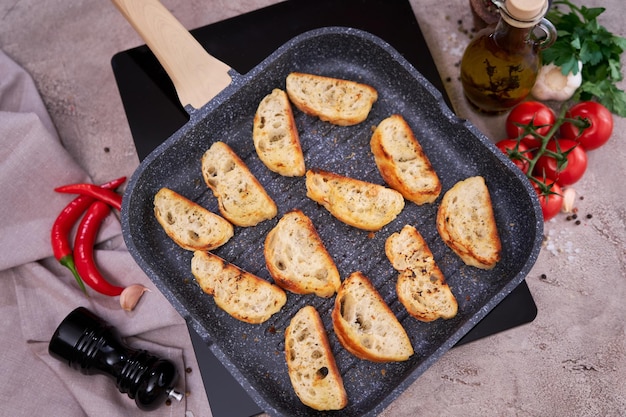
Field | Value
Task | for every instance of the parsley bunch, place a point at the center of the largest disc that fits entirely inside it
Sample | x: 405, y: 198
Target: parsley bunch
x: 582, y: 38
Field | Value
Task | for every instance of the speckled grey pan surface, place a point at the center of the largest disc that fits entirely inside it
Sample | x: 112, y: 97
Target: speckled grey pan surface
x: 254, y: 353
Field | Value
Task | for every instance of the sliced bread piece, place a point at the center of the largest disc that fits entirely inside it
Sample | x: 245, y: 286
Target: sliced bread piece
x: 241, y: 294
x: 275, y: 135
x: 190, y: 225
x: 365, y: 325
x: 312, y: 368
x: 334, y: 100
x: 466, y: 223
x: 421, y: 286
x: 358, y: 203
x: 402, y: 162
x: 242, y: 200
x: 297, y: 258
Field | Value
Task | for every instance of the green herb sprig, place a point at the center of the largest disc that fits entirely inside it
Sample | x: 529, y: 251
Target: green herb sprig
x: 582, y: 38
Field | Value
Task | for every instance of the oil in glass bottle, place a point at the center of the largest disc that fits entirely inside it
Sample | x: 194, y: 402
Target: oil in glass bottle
x: 500, y: 65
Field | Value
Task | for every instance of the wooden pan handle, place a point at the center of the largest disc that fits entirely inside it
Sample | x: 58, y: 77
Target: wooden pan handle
x: 197, y: 76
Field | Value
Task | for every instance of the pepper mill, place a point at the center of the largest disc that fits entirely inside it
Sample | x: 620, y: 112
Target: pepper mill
x: 92, y: 346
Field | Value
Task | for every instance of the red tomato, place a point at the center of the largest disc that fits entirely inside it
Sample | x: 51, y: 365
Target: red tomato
x: 600, y: 129
x: 532, y: 113
x: 550, y: 203
x: 547, y: 165
x: 508, y: 147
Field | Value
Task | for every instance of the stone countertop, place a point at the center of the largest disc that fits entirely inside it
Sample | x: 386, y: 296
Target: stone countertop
x: 571, y: 360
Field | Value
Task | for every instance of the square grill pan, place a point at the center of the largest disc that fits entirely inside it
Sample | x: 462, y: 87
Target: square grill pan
x: 254, y: 354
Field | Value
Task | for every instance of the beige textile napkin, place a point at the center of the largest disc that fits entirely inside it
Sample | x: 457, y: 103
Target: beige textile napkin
x: 37, y: 293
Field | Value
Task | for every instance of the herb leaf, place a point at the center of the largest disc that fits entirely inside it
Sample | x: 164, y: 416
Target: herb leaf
x: 580, y: 37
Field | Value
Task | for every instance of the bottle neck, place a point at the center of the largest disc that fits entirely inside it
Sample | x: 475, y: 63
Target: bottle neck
x: 512, y: 37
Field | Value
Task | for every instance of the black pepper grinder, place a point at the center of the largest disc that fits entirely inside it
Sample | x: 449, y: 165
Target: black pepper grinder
x: 92, y: 346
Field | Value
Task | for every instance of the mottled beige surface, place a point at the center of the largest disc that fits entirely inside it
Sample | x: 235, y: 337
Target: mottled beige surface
x: 570, y: 361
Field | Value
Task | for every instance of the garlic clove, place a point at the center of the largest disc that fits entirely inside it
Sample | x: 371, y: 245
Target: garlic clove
x: 131, y: 295
x: 552, y: 84
x: 569, y: 196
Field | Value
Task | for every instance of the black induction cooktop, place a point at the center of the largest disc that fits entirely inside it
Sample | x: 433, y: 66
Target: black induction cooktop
x: 154, y: 113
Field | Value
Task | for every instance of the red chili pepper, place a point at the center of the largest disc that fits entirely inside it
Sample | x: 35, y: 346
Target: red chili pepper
x: 103, y: 194
x: 83, y: 249
x: 62, y: 228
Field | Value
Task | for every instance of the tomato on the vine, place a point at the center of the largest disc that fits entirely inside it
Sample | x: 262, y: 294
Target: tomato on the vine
x: 514, y: 150
x: 565, y: 173
x: 527, y: 113
x: 600, y: 122
x: 551, y: 201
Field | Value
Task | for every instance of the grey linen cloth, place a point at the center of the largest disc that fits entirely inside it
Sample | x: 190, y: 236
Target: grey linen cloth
x: 37, y: 292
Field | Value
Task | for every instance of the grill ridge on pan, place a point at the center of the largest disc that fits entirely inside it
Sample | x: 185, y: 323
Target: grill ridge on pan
x: 253, y: 352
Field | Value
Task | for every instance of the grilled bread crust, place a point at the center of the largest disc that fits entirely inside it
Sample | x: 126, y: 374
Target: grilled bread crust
x: 421, y: 286
x: 333, y: 100
x: 402, y: 162
x: 241, y: 198
x: 365, y: 325
x: 275, y: 135
x: 190, y: 225
x: 241, y: 294
x: 466, y: 223
x: 297, y: 258
x: 310, y: 362
x: 358, y: 203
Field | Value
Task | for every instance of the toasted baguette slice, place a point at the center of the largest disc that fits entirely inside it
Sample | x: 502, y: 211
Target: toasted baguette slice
x: 297, y: 258
x: 402, y: 162
x: 312, y: 368
x: 275, y: 135
x: 188, y: 224
x: 466, y: 223
x: 333, y: 100
x: 358, y: 203
x: 421, y: 286
x: 242, y: 200
x: 365, y: 325
x: 241, y: 294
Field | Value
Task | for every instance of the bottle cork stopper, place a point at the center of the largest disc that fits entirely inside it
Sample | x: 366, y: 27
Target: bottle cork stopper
x: 525, y: 9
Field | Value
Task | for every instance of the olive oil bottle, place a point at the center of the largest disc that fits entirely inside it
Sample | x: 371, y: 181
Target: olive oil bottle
x: 500, y: 65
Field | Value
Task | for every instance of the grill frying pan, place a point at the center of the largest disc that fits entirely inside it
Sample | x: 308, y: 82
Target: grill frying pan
x: 254, y: 353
